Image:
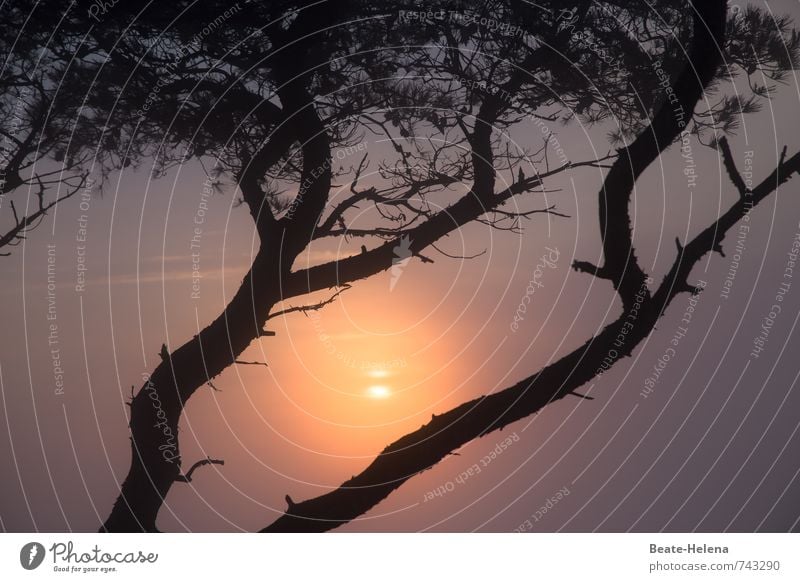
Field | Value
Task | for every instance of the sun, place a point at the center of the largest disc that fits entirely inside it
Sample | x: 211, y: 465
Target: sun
x: 379, y: 392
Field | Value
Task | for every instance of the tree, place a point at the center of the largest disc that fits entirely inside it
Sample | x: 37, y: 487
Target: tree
x: 45, y: 143
x: 275, y: 90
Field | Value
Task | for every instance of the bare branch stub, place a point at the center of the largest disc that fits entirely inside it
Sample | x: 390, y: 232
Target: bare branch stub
x: 187, y: 477
x: 730, y: 167
x: 246, y: 363
x: 312, y: 307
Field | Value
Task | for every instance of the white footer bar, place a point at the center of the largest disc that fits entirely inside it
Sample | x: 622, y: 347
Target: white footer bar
x: 400, y: 557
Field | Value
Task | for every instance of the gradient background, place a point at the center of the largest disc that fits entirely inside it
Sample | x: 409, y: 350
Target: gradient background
x: 714, y: 447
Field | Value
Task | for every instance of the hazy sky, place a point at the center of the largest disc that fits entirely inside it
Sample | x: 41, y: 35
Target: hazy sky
x: 714, y: 446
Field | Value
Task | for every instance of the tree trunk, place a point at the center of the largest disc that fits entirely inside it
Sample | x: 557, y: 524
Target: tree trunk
x: 157, y: 408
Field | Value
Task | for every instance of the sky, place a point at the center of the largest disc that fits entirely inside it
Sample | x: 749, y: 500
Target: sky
x: 94, y: 292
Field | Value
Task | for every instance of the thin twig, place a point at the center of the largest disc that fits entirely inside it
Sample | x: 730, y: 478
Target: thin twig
x: 314, y: 307
x: 187, y: 478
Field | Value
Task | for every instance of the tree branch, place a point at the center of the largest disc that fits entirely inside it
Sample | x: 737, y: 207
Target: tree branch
x: 730, y: 166
x: 15, y: 234
x: 307, y: 308
x: 245, y: 363
x: 621, y: 265
x: 187, y: 478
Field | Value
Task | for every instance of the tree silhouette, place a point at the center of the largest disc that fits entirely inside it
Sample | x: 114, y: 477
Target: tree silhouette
x: 643, y: 302
x: 267, y: 94
x: 45, y: 146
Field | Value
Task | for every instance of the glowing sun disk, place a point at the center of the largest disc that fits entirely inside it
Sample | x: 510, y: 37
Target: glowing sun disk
x: 378, y: 391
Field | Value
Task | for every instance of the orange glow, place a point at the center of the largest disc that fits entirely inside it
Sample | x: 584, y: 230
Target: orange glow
x: 347, y: 381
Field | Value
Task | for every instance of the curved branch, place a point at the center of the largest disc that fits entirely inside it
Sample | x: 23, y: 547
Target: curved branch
x: 461, y: 257
x: 307, y: 308
x: 616, y: 229
x: 187, y: 478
